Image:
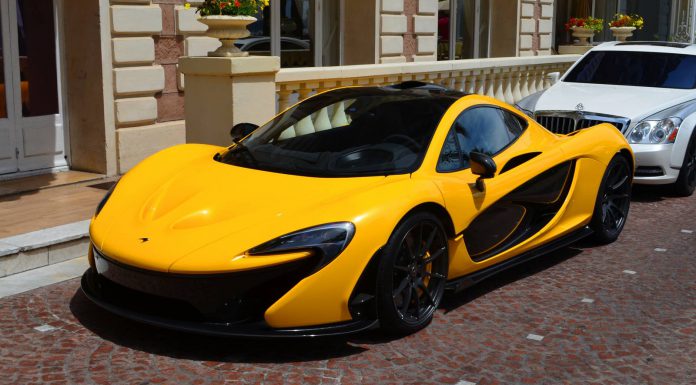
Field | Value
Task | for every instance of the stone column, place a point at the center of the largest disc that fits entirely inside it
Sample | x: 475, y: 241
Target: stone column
x: 222, y: 92
x: 536, y: 27
x: 393, y: 25
x: 425, y: 30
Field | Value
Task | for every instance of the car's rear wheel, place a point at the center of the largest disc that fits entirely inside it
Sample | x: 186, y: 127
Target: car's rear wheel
x: 412, y: 274
x: 686, y: 183
x: 613, y: 201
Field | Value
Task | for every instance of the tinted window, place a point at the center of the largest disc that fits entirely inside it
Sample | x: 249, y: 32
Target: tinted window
x: 450, y: 158
x: 346, y: 132
x: 482, y: 129
x: 642, y: 69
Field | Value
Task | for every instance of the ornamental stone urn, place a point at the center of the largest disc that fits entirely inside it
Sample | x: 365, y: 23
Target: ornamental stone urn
x: 622, y: 33
x: 227, y: 29
x: 583, y: 34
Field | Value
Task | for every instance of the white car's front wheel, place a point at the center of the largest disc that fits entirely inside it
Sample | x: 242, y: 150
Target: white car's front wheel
x: 686, y: 183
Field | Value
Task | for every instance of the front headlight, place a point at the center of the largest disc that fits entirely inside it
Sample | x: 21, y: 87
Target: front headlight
x: 655, y: 131
x: 329, y: 240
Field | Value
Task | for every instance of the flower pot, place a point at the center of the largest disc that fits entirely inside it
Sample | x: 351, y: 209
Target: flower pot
x: 227, y: 29
x: 622, y: 33
x: 583, y: 34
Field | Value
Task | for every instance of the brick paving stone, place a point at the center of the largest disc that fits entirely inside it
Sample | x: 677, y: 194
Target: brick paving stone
x: 640, y: 329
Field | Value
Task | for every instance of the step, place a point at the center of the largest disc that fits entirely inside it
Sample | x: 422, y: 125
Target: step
x: 43, y: 276
x: 44, y: 247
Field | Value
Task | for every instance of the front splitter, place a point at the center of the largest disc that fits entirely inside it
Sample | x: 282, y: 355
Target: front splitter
x: 259, y: 330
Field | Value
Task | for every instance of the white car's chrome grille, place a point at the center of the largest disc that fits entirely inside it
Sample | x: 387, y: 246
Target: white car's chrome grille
x: 566, y: 122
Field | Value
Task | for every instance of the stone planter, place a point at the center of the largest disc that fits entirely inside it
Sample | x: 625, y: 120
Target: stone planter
x: 622, y: 33
x: 583, y: 34
x: 227, y: 29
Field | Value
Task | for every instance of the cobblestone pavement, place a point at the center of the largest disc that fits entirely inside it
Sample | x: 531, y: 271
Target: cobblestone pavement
x: 619, y: 314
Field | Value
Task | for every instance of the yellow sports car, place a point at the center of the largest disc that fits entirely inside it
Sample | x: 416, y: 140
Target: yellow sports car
x: 355, y: 208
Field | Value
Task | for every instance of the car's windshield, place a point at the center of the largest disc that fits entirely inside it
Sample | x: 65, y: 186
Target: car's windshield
x: 641, y: 69
x: 346, y: 132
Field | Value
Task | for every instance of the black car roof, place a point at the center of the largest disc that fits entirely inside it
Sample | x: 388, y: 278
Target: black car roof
x: 433, y: 89
x: 412, y: 88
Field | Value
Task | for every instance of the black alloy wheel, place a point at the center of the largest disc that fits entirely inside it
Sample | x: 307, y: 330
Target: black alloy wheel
x: 613, y: 201
x: 412, y: 274
x: 686, y: 183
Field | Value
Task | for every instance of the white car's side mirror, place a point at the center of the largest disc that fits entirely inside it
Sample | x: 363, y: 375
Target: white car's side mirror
x: 554, y: 77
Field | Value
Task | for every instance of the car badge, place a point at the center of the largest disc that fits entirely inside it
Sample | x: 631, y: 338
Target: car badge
x: 580, y: 107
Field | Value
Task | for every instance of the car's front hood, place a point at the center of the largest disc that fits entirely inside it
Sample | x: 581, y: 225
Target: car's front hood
x: 182, y: 200
x: 628, y: 102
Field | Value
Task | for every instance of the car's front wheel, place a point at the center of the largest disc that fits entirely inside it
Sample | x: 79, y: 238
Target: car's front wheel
x: 613, y: 201
x: 686, y: 183
x: 412, y: 274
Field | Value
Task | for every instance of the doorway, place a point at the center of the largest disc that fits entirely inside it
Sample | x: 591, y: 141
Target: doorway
x: 31, y: 120
x: 303, y: 33
x: 472, y: 29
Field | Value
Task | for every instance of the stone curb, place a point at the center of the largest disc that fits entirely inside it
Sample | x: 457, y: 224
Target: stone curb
x: 45, y: 247
x: 43, y: 238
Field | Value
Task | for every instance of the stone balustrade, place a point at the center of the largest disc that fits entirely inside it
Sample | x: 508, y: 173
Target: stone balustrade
x: 507, y: 79
x: 222, y: 92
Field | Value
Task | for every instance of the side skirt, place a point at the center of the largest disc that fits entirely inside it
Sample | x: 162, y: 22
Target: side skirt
x: 477, y: 276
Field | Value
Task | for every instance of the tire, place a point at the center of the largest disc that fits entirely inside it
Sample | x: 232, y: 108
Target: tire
x: 613, y: 201
x: 410, y: 279
x: 686, y: 183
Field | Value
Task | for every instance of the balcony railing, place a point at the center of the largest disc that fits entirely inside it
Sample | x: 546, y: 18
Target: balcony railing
x: 507, y: 79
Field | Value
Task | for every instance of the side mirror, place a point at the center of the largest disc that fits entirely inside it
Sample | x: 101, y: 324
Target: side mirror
x: 241, y: 130
x: 482, y: 165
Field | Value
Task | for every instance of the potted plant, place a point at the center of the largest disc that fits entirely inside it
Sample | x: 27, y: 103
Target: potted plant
x: 228, y: 21
x: 622, y: 26
x: 584, y: 28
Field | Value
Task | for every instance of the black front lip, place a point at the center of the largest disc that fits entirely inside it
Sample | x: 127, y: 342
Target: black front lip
x: 259, y: 330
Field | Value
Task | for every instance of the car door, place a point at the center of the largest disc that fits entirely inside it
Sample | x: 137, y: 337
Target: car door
x: 525, y: 193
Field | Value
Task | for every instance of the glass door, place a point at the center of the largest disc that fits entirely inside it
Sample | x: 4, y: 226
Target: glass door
x: 472, y: 29
x: 31, y: 125
x: 8, y: 153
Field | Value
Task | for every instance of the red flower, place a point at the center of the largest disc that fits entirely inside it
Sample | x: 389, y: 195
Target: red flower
x: 237, y: 3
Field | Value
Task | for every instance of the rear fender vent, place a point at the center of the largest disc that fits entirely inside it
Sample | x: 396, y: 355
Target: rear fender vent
x: 519, y: 160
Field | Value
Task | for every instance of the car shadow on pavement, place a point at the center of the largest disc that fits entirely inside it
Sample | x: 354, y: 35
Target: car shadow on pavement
x: 649, y: 194
x: 453, y: 301
x: 154, y: 340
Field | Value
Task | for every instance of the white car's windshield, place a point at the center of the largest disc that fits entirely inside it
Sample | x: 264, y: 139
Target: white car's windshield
x: 641, y: 69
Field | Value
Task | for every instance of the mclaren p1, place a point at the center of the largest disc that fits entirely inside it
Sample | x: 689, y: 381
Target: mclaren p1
x: 356, y: 208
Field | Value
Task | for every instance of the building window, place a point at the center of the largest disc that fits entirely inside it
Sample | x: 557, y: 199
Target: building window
x: 470, y: 29
x: 304, y: 33
x: 665, y: 20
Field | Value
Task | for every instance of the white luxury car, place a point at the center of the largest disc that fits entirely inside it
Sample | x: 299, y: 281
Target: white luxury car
x: 647, y: 90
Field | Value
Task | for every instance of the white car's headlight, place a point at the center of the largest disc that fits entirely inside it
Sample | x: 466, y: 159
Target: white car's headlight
x: 663, y: 126
x: 655, y: 131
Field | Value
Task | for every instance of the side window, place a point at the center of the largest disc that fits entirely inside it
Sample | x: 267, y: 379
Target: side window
x: 487, y: 130
x: 482, y: 129
x: 450, y: 157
